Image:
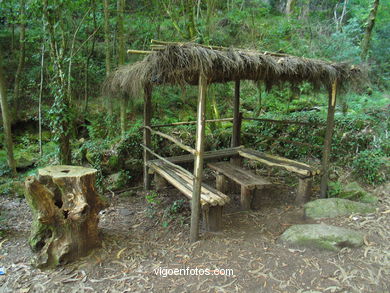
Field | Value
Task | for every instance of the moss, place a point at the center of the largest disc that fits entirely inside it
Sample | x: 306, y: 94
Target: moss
x: 334, y: 207
x: 321, y: 236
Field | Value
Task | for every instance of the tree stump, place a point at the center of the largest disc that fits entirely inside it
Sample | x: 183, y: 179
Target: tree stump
x: 65, y: 207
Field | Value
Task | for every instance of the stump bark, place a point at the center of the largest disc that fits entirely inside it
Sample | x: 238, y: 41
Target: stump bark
x: 65, y: 207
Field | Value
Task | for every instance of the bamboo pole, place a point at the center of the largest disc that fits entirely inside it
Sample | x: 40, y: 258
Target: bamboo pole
x: 198, y: 165
x: 328, y: 139
x: 190, y: 122
x: 172, y: 139
x: 147, y: 140
x: 138, y: 52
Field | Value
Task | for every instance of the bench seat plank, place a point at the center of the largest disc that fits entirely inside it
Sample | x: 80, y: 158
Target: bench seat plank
x: 239, y: 175
x: 183, y: 181
x: 301, y: 169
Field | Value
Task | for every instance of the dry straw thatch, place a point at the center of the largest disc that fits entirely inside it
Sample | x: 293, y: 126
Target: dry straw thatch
x: 182, y: 63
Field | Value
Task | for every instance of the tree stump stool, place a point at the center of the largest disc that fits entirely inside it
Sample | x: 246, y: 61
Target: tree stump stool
x: 65, y: 208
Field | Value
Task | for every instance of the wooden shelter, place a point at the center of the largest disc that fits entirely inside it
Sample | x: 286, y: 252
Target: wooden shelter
x: 194, y: 64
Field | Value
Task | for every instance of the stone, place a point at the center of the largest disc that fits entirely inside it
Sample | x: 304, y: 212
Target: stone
x: 354, y: 191
x: 334, y: 207
x: 321, y: 236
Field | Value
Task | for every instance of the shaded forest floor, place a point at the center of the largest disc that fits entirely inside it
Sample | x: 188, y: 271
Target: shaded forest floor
x: 136, y: 242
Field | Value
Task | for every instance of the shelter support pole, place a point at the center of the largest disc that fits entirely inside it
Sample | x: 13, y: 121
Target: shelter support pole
x: 328, y: 139
x: 147, y: 135
x: 237, y: 119
x: 198, y: 164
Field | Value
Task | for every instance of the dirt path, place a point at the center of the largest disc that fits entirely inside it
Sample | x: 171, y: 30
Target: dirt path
x: 136, y: 243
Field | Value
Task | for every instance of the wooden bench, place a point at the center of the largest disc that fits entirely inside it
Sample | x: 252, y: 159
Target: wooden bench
x: 212, y: 200
x: 304, y: 172
x: 245, y: 178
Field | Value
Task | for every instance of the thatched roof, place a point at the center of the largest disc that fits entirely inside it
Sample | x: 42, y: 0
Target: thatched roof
x: 182, y: 63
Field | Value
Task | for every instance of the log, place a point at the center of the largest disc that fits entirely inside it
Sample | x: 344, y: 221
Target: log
x: 65, y: 208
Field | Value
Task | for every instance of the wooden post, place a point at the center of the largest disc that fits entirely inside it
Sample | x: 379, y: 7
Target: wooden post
x: 236, y: 116
x: 304, y: 190
x: 328, y: 139
x: 198, y: 164
x: 147, y: 134
x: 221, y: 183
x: 213, y: 218
x: 237, y: 119
x: 246, y: 198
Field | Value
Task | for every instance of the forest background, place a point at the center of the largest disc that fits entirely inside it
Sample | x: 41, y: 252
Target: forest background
x: 55, y: 56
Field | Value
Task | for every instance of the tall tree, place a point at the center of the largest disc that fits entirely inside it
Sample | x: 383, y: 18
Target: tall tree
x: 6, y: 121
x: 22, y: 54
x: 121, y: 60
x: 107, y: 47
x: 60, y: 111
x: 369, y: 27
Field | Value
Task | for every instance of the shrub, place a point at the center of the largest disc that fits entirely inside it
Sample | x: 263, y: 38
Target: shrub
x: 370, y: 166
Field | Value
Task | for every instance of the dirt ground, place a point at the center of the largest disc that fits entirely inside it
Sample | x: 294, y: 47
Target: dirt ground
x: 139, y: 238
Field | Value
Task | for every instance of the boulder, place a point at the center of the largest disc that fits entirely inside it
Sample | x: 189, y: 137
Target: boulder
x: 354, y: 191
x: 321, y: 236
x: 334, y: 207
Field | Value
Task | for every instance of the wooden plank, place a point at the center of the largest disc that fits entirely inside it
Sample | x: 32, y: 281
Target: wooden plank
x: 172, y: 139
x: 298, y: 168
x: 210, y: 155
x: 239, y: 175
x: 198, y: 163
x: 328, y: 139
x: 183, y: 181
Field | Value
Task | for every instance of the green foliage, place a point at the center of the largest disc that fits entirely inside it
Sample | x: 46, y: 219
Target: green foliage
x: 369, y: 166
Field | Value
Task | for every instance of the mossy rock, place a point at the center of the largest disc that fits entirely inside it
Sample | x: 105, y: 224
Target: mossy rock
x: 12, y: 188
x: 321, y: 236
x: 354, y: 191
x: 334, y: 207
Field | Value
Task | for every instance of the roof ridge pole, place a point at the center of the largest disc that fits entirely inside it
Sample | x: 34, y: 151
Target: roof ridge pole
x: 328, y: 139
x: 147, y: 140
x: 198, y: 164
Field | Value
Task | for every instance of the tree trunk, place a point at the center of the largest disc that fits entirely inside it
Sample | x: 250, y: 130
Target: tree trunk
x: 22, y: 54
x: 65, y: 209
x: 107, y: 49
x: 289, y: 7
x: 369, y: 28
x: 6, y: 121
x: 62, y: 93
x: 189, y: 12
x: 121, y: 61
